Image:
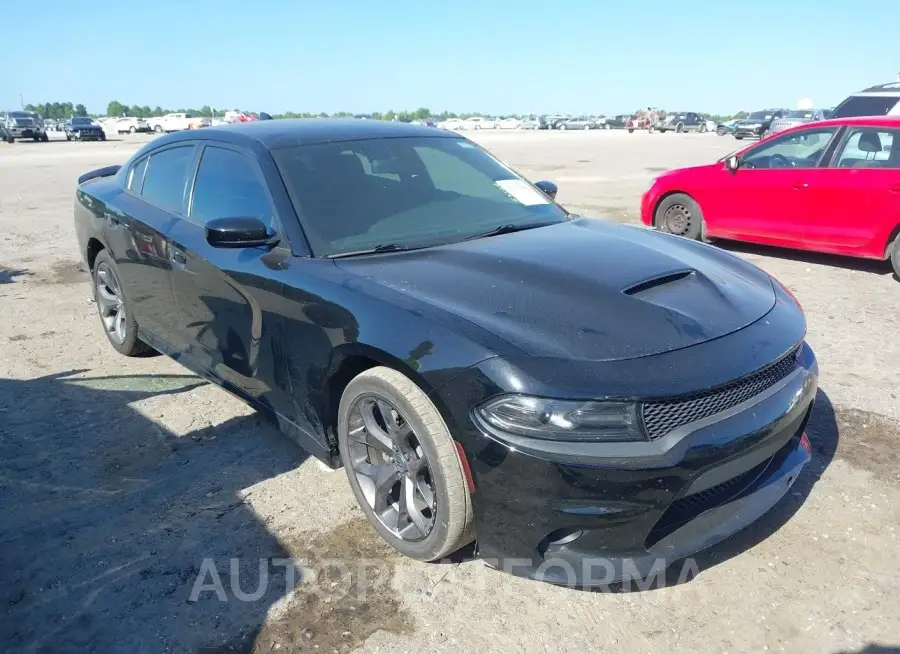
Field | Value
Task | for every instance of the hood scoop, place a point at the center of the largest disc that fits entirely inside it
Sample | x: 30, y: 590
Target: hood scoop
x: 650, y: 284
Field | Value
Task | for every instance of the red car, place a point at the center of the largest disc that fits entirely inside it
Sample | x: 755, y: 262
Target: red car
x: 830, y: 186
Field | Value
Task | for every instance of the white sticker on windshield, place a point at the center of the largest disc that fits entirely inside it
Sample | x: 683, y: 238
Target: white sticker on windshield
x: 522, y: 192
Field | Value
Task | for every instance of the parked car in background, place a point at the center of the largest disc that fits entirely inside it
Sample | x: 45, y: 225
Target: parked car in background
x: 619, y: 121
x: 80, y: 128
x: 509, y: 123
x: 687, y: 121
x: 577, y: 122
x: 829, y: 186
x: 880, y: 100
x: 131, y: 125
x: 757, y: 123
x: 727, y: 127
x: 479, y: 122
x: 562, y: 389
x: 22, y: 125
x: 794, y: 118
x: 533, y: 122
x: 601, y: 121
x: 175, y: 122
x: 452, y: 124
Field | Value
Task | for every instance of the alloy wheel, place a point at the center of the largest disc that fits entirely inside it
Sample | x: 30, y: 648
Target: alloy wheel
x: 678, y: 219
x: 391, y: 468
x: 111, y: 303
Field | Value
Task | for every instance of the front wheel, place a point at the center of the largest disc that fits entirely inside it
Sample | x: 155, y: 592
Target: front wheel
x: 738, y: 138
x: 703, y: 128
x: 158, y: 129
x: 115, y: 311
x: 45, y: 137
x: 68, y: 136
x: 587, y: 126
x: 631, y: 130
x: 679, y: 214
x: 721, y: 131
x: 403, y: 465
x: 562, y: 128
x: 132, y: 129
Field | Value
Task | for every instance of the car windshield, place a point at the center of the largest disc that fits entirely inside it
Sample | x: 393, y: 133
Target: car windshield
x: 761, y: 115
x: 800, y: 113
x: 865, y: 105
x: 81, y: 121
x: 406, y: 192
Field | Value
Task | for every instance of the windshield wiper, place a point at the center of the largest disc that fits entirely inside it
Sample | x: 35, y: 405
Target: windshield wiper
x: 510, y: 228
x: 384, y: 247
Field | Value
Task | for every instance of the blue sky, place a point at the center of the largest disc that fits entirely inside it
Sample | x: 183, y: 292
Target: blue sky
x: 493, y: 56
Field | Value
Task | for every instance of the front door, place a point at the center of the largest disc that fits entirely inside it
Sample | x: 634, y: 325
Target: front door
x: 766, y: 199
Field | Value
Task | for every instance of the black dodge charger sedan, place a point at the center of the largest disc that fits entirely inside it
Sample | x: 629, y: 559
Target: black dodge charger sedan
x: 584, y: 400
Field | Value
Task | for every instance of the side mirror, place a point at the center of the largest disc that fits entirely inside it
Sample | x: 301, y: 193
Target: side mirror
x: 733, y: 163
x: 240, y: 232
x: 549, y: 188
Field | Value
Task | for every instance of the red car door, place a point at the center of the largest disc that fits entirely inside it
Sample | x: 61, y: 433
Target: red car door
x: 765, y: 200
x: 855, y: 202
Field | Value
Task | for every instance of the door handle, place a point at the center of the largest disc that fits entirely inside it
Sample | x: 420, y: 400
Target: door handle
x: 799, y: 186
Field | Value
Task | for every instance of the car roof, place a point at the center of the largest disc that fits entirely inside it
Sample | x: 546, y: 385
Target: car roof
x: 890, y: 88
x: 274, y: 134
x: 872, y: 121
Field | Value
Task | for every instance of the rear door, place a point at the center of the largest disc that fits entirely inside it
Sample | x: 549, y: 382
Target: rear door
x: 765, y: 200
x: 138, y: 236
x: 231, y: 300
x: 855, y: 201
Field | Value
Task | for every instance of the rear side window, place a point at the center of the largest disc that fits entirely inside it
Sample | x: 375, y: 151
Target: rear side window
x: 865, y: 105
x: 166, y: 176
x: 227, y: 186
x: 870, y: 147
x: 136, y: 176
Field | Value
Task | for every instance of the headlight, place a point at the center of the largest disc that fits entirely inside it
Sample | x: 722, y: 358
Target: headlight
x: 563, y: 420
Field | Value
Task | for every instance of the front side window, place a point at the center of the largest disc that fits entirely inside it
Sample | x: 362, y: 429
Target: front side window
x: 227, y: 187
x: 166, y: 176
x: 411, y: 192
x: 803, y: 149
x: 870, y: 147
x: 866, y: 105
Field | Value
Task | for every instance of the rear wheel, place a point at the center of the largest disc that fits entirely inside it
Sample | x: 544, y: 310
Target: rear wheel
x: 158, y: 129
x: 679, y: 214
x: 703, y: 128
x: 679, y: 128
x: 403, y: 466
x: 132, y: 129
x: 587, y: 126
x: 45, y: 137
x: 895, y: 256
x: 115, y: 311
x: 738, y: 138
x: 721, y: 131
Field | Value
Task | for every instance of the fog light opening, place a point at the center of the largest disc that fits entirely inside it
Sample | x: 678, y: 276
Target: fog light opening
x: 559, y: 538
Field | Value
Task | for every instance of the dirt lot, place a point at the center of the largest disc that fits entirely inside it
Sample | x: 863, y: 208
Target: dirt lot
x: 124, y: 481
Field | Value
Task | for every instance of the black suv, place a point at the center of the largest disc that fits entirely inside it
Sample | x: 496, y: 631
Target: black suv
x: 82, y: 128
x: 757, y: 123
x: 686, y: 121
x: 22, y: 125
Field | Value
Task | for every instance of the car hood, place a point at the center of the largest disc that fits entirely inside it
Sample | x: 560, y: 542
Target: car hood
x: 584, y: 289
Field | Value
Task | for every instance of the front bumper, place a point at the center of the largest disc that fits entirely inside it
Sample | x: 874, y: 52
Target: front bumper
x: 597, y: 519
x: 748, y: 132
x: 25, y: 132
x: 88, y: 135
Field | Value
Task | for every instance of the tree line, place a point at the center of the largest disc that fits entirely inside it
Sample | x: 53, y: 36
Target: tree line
x: 64, y: 110
x: 58, y: 110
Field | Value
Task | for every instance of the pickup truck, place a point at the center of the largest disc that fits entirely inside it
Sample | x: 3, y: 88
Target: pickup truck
x: 176, y: 122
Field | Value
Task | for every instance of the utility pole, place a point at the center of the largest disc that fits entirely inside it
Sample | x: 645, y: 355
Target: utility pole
x: 22, y: 101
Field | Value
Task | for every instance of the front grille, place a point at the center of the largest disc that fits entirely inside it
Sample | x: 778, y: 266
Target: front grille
x: 662, y: 416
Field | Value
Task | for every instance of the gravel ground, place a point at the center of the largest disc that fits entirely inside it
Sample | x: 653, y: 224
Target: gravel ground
x: 129, y: 486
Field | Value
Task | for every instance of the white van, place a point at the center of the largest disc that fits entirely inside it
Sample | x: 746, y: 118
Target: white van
x: 881, y: 100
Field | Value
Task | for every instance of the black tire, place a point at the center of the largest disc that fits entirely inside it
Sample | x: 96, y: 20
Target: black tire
x: 131, y: 345
x: 661, y: 131
x: 36, y: 139
x: 679, y: 128
x: 132, y: 129
x: 45, y: 137
x: 10, y: 139
x: 452, y: 524
x: 102, y: 136
x: 679, y: 214
x: 721, y: 131
x: 703, y: 128
x: 158, y: 129
x: 738, y: 138
x: 895, y: 256
x: 630, y: 130
x: 68, y: 136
